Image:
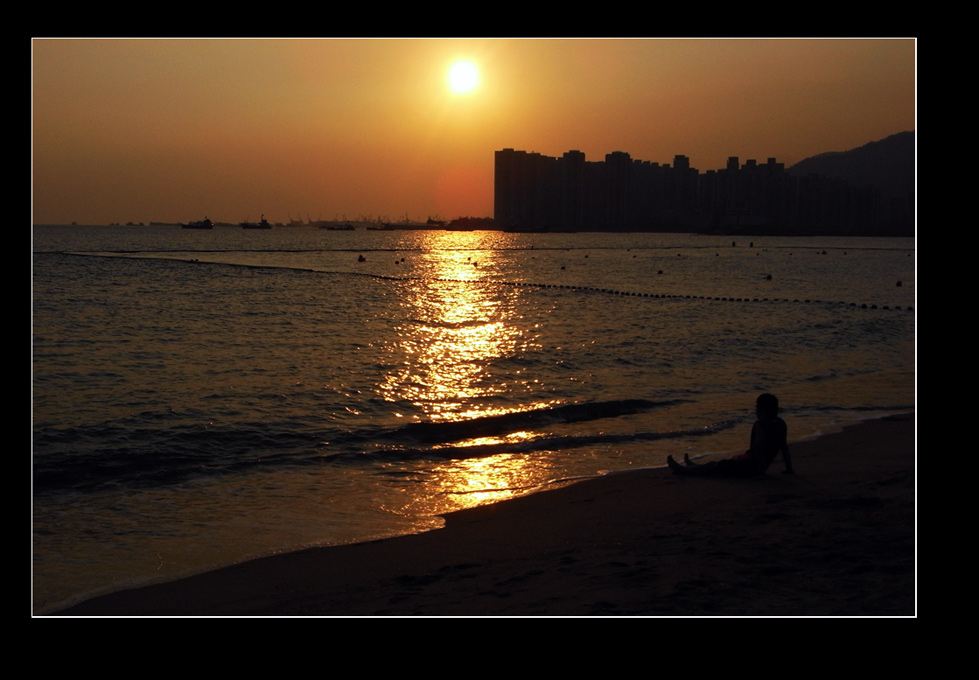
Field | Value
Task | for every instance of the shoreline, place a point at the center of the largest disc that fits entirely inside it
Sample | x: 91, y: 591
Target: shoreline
x: 838, y: 538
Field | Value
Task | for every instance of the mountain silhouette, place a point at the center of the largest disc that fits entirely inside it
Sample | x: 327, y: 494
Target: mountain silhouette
x: 888, y: 164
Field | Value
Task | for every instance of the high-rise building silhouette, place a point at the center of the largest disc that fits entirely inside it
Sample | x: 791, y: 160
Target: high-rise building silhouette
x: 537, y: 192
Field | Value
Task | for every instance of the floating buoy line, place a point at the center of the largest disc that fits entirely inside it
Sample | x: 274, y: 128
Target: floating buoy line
x: 609, y: 291
x: 522, y: 284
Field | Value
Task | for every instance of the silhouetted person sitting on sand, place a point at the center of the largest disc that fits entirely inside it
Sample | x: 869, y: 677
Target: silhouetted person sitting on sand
x: 769, y: 437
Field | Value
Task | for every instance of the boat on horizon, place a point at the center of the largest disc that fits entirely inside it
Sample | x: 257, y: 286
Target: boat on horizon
x: 261, y: 224
x: 205, y: 223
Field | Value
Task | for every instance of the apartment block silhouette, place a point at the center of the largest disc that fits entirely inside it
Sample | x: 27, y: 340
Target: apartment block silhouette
x: 534, y: 192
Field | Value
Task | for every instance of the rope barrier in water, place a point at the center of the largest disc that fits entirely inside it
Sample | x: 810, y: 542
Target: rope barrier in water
x: 609, y: 291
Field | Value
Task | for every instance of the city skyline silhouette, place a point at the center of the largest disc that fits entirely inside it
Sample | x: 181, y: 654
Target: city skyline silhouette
x: 534, y: 192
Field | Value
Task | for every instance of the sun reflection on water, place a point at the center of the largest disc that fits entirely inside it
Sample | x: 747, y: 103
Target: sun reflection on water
x: 462, y: 484
x: 458, y: 329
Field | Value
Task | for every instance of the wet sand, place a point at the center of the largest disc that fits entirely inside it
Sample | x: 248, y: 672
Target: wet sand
x: 836, y: 539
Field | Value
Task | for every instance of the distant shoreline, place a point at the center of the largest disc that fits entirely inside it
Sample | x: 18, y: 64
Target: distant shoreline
x: 422, y: 227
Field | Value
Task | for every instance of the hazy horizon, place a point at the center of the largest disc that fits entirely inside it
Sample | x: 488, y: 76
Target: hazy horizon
x: 175, y: 129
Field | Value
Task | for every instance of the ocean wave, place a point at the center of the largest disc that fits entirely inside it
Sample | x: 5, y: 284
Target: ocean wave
x: 487, y: 426
x: 534, y: 444
x: 120, y: 454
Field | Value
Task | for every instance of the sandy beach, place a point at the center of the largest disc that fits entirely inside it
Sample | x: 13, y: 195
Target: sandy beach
x: 838, y: 538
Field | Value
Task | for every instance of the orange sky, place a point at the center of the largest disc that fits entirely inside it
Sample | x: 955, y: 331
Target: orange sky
x: 176, y: 129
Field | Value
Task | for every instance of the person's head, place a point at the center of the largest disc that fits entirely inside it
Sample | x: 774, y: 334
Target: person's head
x: 766, y: 405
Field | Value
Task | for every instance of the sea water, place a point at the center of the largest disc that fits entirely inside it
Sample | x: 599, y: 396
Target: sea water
x: 204, y: 397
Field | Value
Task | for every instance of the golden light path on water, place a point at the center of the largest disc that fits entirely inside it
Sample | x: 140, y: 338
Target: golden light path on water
x: 456, y: 327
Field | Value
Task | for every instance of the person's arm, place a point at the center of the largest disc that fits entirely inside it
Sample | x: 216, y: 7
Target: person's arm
x: 788, y: 460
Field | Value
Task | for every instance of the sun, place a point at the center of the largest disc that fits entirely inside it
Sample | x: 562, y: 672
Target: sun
x: 463, y: 77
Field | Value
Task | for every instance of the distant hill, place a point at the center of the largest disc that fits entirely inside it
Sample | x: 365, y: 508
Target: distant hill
x: 888, y: 164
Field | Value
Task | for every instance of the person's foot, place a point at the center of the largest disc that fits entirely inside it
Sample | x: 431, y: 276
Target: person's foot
x: 686, y: 460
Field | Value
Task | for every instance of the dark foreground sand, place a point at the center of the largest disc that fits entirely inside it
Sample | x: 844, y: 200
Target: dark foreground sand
x: 837, y: 538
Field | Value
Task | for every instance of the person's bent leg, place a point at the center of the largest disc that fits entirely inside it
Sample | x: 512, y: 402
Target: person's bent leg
x: 700, y: 470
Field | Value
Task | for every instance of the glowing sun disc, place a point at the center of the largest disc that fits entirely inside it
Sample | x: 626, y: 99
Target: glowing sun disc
x: 463, y: 77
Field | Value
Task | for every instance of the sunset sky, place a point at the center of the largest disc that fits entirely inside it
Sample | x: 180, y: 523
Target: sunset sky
x: 175, y: 129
